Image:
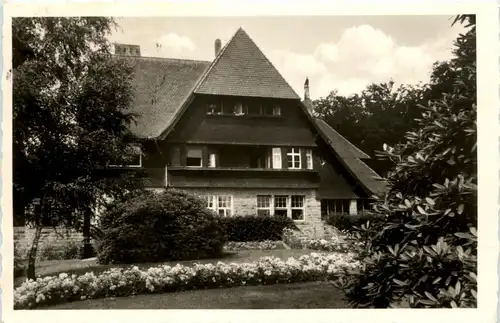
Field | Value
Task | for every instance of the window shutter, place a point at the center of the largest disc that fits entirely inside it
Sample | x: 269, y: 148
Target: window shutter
x: 205, y: 156
x: 277, y: 158
x: 303, y: 158
x: 175, y: 156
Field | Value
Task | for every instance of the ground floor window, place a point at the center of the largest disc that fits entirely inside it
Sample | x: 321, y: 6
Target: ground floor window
x: 297, y: 207
x: 364, y: 205
x: 290, y: 206
x: 336, y: 206
x: 221, y: 204
x: 264, y: 205
x: 341, y: 206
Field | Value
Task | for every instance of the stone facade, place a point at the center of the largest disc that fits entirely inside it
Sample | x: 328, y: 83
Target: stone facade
x: 245, y: 203
x: 63, y: 235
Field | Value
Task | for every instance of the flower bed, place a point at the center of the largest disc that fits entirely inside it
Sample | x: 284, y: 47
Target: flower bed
x: 337, y: 243
x: 132, y: 281
x: 254, y: 245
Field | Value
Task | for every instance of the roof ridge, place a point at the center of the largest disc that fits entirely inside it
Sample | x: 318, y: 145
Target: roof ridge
x: 216, y: 59
x: 347, y: 141
x: 272, y: 65
x: 163, y: 58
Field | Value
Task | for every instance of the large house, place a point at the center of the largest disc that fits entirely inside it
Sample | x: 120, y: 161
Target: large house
x: 235, y: 133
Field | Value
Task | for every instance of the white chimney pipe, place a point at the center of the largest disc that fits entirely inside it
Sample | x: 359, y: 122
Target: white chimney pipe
x: 217, y: 46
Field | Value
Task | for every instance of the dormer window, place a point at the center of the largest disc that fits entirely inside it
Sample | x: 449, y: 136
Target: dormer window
x: 213, y: 108
x: 194, y: 157
x: 268, y: 110
x: 238, y: 109
x: 254, y: 109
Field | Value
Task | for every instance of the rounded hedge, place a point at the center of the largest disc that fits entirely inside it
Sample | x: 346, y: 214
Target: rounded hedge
x: 159, y: 226
x: 256, y: 228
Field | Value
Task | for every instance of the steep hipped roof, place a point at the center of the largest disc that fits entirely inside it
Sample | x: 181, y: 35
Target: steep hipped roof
x: 352, y: 157
x: 161, y: 86
x: 341, y: 145
x: 164, y: 88
x: 367, y: 176
x: 241, y: 69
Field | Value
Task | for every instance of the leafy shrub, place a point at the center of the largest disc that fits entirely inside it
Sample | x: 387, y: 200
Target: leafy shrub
x: 170, y: 225
x: 53, y: 246
x: 56, y: 247
x: 424, y: 251
x: 256, y: 228
x: 347, y: 222
x: 133, y: 281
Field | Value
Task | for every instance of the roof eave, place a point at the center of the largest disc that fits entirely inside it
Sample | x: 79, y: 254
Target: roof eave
x: 342, y: 160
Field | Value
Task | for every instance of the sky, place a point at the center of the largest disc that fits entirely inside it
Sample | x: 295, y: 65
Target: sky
x: 343, y: 53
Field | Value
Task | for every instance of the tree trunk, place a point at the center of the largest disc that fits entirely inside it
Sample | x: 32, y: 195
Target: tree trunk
x: 33, y: 251
x: 87, y: 246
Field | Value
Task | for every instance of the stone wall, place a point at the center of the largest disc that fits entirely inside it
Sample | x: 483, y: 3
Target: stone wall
x: 62, y: 235
x: 245, y: 203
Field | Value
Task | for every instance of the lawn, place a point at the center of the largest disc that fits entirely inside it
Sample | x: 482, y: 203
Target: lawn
x: 281, y: 296
x: 80, y: 267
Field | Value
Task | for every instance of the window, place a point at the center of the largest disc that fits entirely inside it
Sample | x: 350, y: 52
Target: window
x: 277, y: 110
x: 211, y: 160
x: 254, y: 109
x: 293, y: 157
x: 281, y: 205
x: 224, y: 205
x: 297, y: 207
x: 309, y: 159
x: 335, y: 206
x: 214, y: 108
x: 276, y: 158
x: 287, y: 206
x: 210, y: 202
x: 268, y: 110
x: 238, y: 109
x: 364, y: 205
x: 264, y: 205
x: 194, y: 157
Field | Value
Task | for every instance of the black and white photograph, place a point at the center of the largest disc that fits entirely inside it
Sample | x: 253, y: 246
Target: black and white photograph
x: 245, y: 162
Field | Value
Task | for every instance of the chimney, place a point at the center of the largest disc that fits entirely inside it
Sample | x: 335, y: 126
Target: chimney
x: 217, y: 46
x: 306, y: 89
x: 307, y: 99
x: 127, y: 50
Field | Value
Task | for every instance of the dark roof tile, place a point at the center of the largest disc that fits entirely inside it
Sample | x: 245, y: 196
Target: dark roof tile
x: 342, y: 146
x: 161, y: 86
x: 352, y: 159
x: 241, y: 69
x: 367, y: 176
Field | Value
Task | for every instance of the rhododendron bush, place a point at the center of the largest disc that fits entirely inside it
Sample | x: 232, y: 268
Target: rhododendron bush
x: 133, y: 281
x: 423, y: 252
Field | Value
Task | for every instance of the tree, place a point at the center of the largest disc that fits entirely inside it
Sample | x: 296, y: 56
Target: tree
x: 424, y: 251
x: 70, y: 120
x: 381, y: 114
